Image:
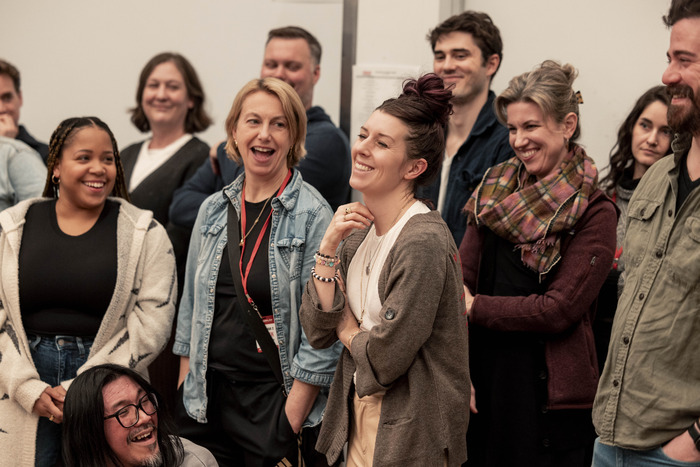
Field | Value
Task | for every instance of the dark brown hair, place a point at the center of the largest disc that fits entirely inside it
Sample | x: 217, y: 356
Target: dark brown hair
x: 681, y: 9
x: 424, y: 107
x: 295, y: 32
x: 197, y: 118
x: 6, y: 68
x: 63, y: 135
x: 485, y: 34
x: 621, y: 157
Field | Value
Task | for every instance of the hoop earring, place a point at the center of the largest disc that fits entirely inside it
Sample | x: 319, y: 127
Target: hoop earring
x: 55, y: 180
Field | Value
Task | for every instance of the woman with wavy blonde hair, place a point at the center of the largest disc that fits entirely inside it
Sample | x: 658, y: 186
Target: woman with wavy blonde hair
x: 539, y: 243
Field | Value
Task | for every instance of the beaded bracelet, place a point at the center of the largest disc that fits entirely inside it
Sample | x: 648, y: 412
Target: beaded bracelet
x: 329, y: 261
x: 321, y: 278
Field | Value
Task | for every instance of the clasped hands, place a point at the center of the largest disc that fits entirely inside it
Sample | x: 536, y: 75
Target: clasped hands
x: 50, y: 404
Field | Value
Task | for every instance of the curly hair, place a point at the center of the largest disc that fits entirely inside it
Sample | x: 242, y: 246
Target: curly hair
x: 62, y: 136
x: 621, y: 157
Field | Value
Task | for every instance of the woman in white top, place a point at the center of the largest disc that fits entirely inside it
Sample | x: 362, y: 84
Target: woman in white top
x: 400, y: 394
x: 169, y: 104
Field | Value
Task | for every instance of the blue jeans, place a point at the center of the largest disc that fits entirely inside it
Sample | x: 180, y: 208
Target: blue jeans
x: 57, y: 359
x: 613, y: 456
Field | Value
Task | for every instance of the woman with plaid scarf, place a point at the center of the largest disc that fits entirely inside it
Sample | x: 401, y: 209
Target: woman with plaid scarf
x: 539, y: 243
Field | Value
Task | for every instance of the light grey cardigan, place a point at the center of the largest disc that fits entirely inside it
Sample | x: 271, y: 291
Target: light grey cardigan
x: 134, y: 330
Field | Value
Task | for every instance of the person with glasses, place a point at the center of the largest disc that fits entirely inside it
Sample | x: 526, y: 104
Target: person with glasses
x: 112, y: 416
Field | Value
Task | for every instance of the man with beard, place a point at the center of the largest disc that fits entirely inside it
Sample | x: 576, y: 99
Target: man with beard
x: 648, y: 402
x: 112, y: 416
x: 467, y: 52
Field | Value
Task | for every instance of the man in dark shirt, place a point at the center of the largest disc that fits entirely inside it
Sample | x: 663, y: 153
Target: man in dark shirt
x: 467, y: 50
x: 10, y: 103
x: 293, y: 55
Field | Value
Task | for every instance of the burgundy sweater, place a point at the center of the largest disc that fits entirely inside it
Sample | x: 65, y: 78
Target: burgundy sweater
x: 565, y: 311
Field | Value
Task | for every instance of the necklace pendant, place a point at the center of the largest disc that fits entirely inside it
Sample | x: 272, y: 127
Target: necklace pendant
x: 240, y: 243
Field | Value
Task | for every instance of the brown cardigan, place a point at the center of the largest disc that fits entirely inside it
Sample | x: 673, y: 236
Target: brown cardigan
x: 565, y: 311
x: 418, y: 354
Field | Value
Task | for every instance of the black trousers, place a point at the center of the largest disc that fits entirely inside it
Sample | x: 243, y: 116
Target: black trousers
x: 247, y: 424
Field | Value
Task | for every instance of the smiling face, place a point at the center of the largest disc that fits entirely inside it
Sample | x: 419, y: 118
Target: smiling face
x: 263, y: 138
x: 538, y: 141
x: 459, y: 62
x: 135, y: 445
x: 86, y: 169
x: 682, y: 76
x: 651, y: 137
x: 165, y: 100
x: 379, y: 156
x: 290, y: 60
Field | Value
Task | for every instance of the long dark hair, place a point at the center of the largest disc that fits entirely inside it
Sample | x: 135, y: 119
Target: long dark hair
x: 62, y: 136
x: 84, y: 441
x: 424, y: 107
x: 621, y: 157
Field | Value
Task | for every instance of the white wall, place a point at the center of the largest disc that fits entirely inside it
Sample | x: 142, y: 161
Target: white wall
x: 80, y: 57
x: 83, y: 57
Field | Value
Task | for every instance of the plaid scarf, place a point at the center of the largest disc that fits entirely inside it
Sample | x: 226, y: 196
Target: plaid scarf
x: 533, y: 213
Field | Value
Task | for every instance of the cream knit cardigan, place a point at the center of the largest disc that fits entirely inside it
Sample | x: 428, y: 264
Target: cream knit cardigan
x: 134, y: 330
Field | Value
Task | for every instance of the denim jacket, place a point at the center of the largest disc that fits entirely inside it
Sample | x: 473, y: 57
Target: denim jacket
x: 299, y: 220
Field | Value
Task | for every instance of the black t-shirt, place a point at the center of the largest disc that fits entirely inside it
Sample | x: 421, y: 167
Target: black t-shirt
x: 232, y: 347
x: 685, y: 184
x: 66, y: 282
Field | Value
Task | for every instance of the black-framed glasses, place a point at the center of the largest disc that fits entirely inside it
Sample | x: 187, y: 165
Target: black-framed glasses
x: 128, y: 415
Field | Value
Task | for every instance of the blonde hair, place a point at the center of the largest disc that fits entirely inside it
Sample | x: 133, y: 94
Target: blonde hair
x: 293, y: 110
x: 549, y: 86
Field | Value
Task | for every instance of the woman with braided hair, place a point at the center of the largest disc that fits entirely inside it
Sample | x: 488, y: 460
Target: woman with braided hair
x: 387, y: 284
x: 87, y: 278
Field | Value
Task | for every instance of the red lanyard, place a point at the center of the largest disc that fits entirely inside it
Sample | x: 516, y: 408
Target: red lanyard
x: 244, y: 277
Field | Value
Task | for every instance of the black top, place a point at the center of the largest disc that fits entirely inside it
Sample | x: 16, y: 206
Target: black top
x: 685, y: 184
x: 24, y: 136
x: 232, y: 348
x: 509, y: 373
x: 66, y: 282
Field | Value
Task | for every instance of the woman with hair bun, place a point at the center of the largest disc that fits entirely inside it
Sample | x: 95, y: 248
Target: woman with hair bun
x: 387, y: 284
x: 540, y: 240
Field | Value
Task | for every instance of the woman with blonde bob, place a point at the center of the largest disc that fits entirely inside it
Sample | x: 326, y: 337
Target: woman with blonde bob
x: 539, y: 243
x: 231, y: 400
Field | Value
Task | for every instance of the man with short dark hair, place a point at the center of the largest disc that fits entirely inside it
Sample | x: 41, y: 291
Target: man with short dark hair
x: 293, y: 55
x: 113, y: 416
x: 10, y: 103
x: 648, y: 401
x: 467, y: 51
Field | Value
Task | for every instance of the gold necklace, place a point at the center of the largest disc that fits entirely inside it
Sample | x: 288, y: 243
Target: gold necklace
x: 364, y: 291
x: 256, y: 220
